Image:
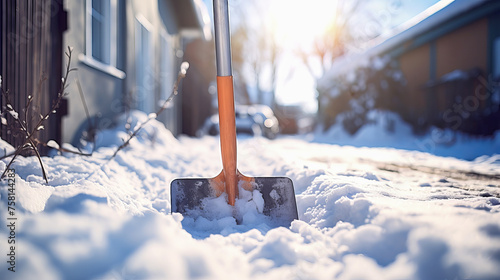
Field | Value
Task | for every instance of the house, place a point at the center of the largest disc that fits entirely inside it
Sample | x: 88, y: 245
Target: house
x: 449, y: 56
x: 128, y: 54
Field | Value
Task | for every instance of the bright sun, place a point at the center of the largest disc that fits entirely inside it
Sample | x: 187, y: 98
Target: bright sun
x: 298, y: 22
x: 295, y: 25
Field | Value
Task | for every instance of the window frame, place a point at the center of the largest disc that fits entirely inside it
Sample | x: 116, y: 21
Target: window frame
x: 167, y: 77
x: 167, y: 65
x: 143, y: 103
x: 111, y: 44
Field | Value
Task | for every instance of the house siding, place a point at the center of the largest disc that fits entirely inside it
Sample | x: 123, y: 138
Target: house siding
x: 463, y: 49
x: 102, y: 91
x: 430, y: 98
x: 197, y: 105
x: 162, y: 20
x: 415, y: 66
x: 109, y: 93
x: 35, y: 34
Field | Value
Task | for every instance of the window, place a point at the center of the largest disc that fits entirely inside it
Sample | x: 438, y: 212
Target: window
x: 101, y: 30
x: 167, y: 76
x: 166, y: 67
x: 144, y: 66
x: 101, y: 36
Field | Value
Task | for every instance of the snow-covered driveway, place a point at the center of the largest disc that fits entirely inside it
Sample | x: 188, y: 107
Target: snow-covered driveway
x: 365, y: 213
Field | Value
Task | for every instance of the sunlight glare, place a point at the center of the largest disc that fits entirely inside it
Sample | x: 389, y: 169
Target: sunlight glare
x: 297, y: 22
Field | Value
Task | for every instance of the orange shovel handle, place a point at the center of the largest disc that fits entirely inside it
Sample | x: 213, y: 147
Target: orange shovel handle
x: 225, y: 94
x: 227, y: 127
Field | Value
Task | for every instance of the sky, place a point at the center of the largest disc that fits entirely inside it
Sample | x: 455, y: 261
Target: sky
x: 298, y: 22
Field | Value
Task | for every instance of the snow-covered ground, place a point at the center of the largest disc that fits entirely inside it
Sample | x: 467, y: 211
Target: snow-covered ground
x: 386, y: 129
x: 365, y: 213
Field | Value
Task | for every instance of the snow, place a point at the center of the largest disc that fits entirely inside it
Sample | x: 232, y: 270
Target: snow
x: 14, y: 114
x: 386, y: 129
x: 184, y: 67
x: 365, y: 212
x: 433, y: 16
x: 455, y: 75
x: 53, y: 144
x: 246, y: 214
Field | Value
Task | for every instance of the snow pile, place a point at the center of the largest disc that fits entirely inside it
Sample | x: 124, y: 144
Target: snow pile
x: 386, y: 129
x: 216, y: 216
x: 455, y: 75
x: 365, y: 213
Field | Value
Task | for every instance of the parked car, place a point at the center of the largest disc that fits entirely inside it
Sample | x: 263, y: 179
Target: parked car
x: 265, y: 118
x: 254, y: 120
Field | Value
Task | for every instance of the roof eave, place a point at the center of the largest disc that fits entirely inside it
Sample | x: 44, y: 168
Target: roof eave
x: 193, y: 19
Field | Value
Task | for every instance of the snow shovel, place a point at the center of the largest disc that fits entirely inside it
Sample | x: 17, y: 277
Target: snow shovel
x: 189, y: 195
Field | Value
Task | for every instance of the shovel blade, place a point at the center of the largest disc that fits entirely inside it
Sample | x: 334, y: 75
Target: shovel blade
x: 188, y: 196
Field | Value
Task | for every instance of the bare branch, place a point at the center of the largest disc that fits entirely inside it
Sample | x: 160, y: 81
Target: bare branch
x: 64, y: 150
x: 29, y: 141
x: 35, y: 149
x: 180, y: 76
x: 92, y: 124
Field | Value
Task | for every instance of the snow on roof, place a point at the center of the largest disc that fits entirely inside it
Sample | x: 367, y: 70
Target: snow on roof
x: 433, y: 16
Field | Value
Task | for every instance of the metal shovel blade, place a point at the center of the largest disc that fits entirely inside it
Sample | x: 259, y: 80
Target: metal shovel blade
x: 189, y: 197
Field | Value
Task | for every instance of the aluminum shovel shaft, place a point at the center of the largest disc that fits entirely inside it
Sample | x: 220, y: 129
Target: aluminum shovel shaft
x: 225, y: 95
x: 222, y: 38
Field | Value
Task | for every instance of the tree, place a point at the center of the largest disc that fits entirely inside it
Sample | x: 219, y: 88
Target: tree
x: 335, y: 41
x: 352, y: 26
x: 255, y: 50
x: 238, y: 38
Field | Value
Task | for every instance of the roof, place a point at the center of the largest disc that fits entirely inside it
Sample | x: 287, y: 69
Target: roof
x: 433, y: 16
x: 194, y: 20
x: 432, y: 20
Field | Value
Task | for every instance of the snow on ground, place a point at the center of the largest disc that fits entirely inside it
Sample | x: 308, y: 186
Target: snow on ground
x: 365, y: 213
x: 386, y: 129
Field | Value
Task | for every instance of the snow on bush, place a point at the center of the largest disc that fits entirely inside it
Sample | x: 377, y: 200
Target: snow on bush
x: 349, y: 96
